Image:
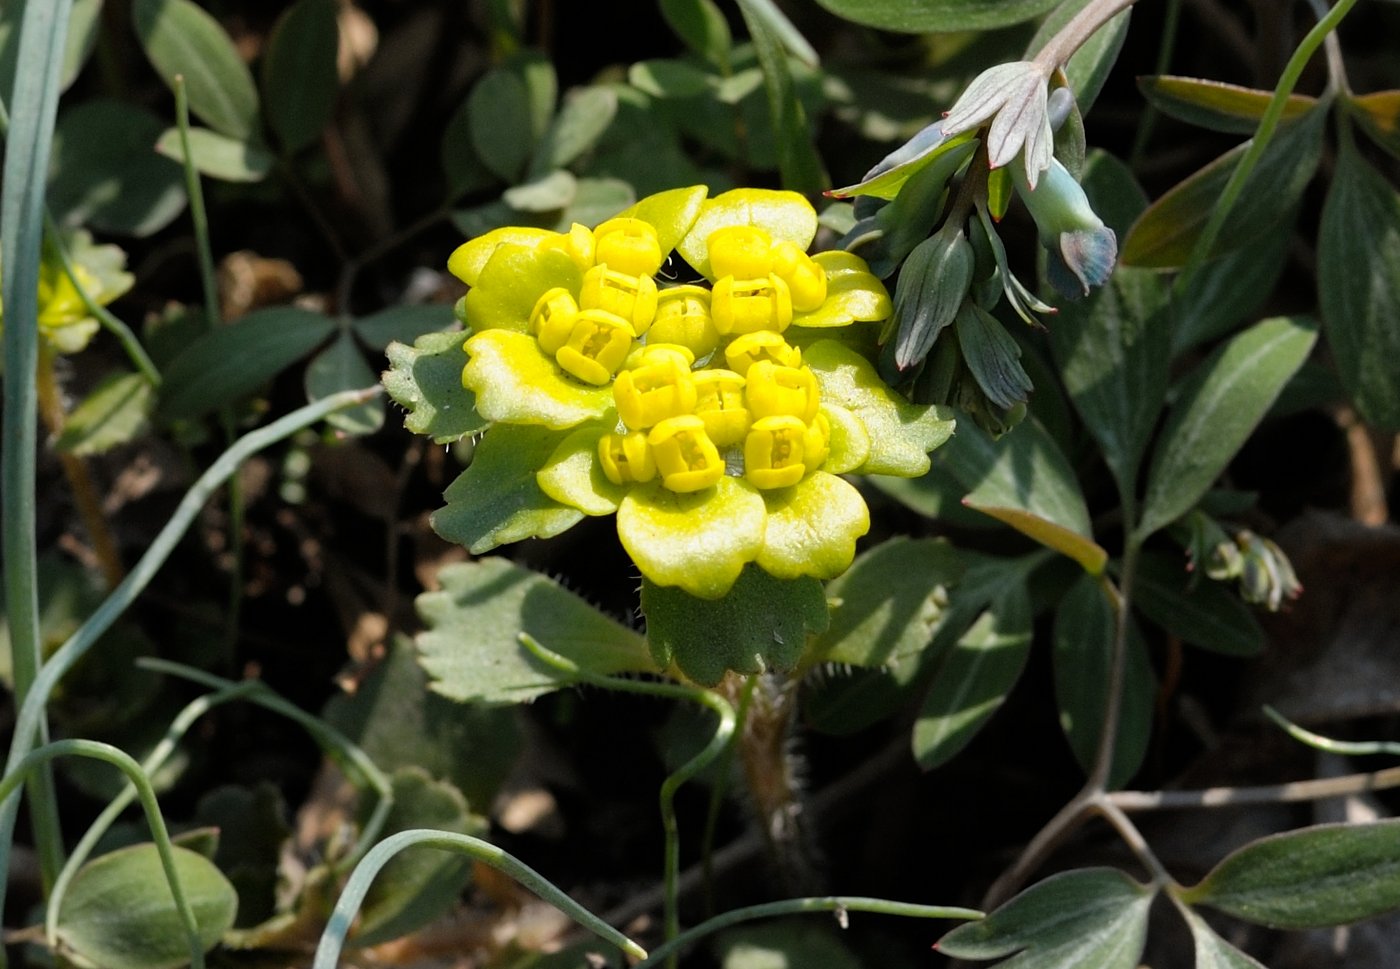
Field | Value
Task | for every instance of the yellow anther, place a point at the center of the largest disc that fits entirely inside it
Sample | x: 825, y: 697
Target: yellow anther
x: 745, y: 251
x: 629, y: 246
x: 685, y: 456
x: 775, y: 391
x: 631, y: 297
x: 661, y: 387
x: 750, y: 348
x: 655, y: 352
x: 750, y: 305
x: 816, y: 443
x: 719, y: 402
x: 806, y: 280
x: 683, y: 317
x: 578, y: 244
x: 598, y: 344
x: 626, y: 458
x: 552, y: 319
x: 774, y: 452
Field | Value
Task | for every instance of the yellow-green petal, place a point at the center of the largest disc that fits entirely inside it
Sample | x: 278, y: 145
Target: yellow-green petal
x: 573, y: 475
x: 671, y: 213
x: 510, y: 283
x: 516, y: 383
x: 468, y: 259
x: 699, y: 541
x: 812, y: 528
x: 850, y: 443
x: 853, y: 293
x: 787, y: 217
x: 901, y: 434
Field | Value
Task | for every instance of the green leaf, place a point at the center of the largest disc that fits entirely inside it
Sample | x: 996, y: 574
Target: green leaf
x: 234, y: 360
x: 1088, y: 68
x: 1089, y: 917
x: 786, y: 944
x: 1213, y: 952
x: 299, y: 77
x: 471, y: 646
x: 1378, y: 115
x: 1084, y: 634
x: 1358, y: 259
x: 114, y: 413
x: 181, y: 38
x: 798, y: 162
x: 702, y: 26
x: 974, y: 678
x: 218, y: 156
x: 119, y: 913
x: 426, y: 380
x: 83, y: 24
x: 252, y: 826
x: 105, y: 173
x: 921, y: 16
x: 1227, y: 291
x: 497, y: 501
x: 991, y: 355
x: 1216, y: 105
x: 581, y: 121
x: 1207, y: 615
x: 465, y: 170
x: 1024, y: 480
x: 496, y: 107
x: 889, y: 602
x: 420, y: 884
x: 761, y: 624
x: 542, y: 193
x: 1167, y: 232
x: 398, y: 722
x: 668, y: 78
x: 342, y: 366
x: 1217, y: 407
x: 1329, y: 874
x: 403, y: 324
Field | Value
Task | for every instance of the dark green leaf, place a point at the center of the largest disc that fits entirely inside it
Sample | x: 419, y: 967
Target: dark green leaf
x: 403, y: 324
x: 668, y: 78
x: 497, y: 501
x: 83, y: 25
x: 1379, y: 116
x: 798, y: 162
x: 1084, y: 632
x: 342, y: 366
x: 890, y: 601
x: 119, y: 913
x: 788, y: 944
x: 471, y: 646
x: 180, y: 38
x: 426, y: 380
x: 1358, y: 259
x: 937, y: 495
x: 762, y: 623
x: 1167, y: 232
x: 465, y: 170
x: 299, y: 76
x: 702, y: 26
x: 1090, y: 917
x: 252, y: 826
x: 1207, y: 615
x: 920, y: 16
x: 218, y: 156
x: 234, y: 360
x: 1218, y: 406
x: 420, y: 884
x: 992, y: 356
x: 1330, y: 874
x: 581, y: 121
x: 114, y: 413
x: 495, y: 109
x: 1088, y: 68
x: 1227, y: 291
x: 1216, y: 105
x: 1213, y: 952
x: 974, y: 678
x: 106, y: 174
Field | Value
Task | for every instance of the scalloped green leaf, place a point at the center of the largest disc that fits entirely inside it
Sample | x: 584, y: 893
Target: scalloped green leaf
x: 299, y: 77
x: 117, y: 410
x: 1328, y: 874
x: 1087, y: 917
x: 921, y: 16
x: 497, y: 500
x: 761, y: 624
x: 426, y: 380
x: 179, y: 37
x: 471, y: 646
x: 119, y: 914
x: 1217, y: 407
x: 1216, y: 105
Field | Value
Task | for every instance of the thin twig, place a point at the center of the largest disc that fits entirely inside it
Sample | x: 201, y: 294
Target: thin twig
x: 1295, y: 791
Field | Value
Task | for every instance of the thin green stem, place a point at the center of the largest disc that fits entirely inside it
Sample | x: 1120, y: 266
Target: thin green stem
x: 840, y: 904
x: 1268, y: 125
x: 40, y: 40
x: 1118, y: 667
x: 123, y: 762
x: 353, y: 895
x: 208, y: 282
x: 719, y: 742
x: 1349, y: 748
